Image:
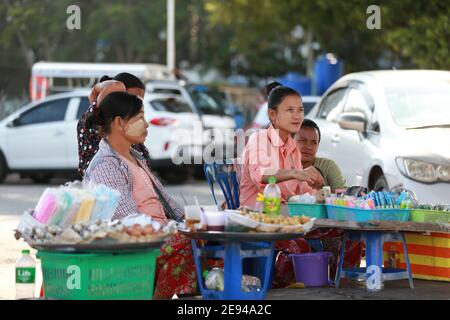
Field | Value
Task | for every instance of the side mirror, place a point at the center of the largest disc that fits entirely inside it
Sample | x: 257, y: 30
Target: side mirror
x: 13, y: 123
x: 353, y: 121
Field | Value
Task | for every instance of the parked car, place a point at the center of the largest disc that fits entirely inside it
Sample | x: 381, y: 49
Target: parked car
x: 217, y: 124
x: 391, y: 128
x: 39, y: 140
x: 262, y: 118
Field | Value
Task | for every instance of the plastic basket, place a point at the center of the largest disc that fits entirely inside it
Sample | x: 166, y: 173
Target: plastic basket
x: 89, y: 276
x: 311, y: 210
x: 364, y: 215
x: 421, y: 215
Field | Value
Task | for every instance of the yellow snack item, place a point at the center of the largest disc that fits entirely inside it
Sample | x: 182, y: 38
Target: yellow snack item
x: 84, y: 213
x: 298, y: 285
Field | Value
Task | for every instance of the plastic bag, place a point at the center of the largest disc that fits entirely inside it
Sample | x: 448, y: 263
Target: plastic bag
x: 304, y: 198
x: 250, y: 283
x: 215, y: 280
x: 106, y: 203
x: 46, y: 206
x: 141, y: 219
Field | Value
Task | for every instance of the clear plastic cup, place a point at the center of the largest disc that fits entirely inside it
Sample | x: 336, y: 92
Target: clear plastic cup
x: 193, y: 215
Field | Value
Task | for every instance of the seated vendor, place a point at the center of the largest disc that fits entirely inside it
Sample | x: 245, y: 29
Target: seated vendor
x: 120, y: 118
x: 273, y: 151
x: 308, y: 140
x: 117, y: 165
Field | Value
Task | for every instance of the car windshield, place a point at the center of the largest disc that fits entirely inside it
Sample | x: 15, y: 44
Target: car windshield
x: 170, y: 105
x: 206, y: 102
x: 416, y: 106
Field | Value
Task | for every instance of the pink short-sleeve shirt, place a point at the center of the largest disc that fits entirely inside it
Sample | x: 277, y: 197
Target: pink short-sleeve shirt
x: 266, y: 153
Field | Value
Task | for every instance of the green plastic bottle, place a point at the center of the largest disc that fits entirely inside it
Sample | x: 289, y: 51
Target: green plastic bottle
x: 272, y: 198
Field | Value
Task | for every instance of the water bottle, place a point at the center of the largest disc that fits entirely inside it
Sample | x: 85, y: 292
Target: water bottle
x: 357, y: 181
x: 272, y: 198
x: 25, y: 276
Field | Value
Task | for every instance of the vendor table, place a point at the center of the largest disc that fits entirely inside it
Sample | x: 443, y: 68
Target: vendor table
x: 400, y: 226
x: 374, y: 233
x: 233, y: 248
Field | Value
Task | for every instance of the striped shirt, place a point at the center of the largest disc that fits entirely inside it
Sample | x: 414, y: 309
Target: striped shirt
x: 108, y: 168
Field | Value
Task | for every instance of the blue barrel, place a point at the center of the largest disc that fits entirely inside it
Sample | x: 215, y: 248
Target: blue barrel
x: 296, y: 81
x: 327, y: 70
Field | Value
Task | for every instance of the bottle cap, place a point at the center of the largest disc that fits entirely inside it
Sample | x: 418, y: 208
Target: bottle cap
x: 272, y: 180
x: 25, y: 251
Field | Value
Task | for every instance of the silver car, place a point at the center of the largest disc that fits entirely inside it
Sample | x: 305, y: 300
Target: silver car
x: 390, y: 128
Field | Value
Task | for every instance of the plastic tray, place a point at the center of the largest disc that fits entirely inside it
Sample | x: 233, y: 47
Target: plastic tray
x: 421, y: 215
x: 365, y: 215
x: 311, y: 210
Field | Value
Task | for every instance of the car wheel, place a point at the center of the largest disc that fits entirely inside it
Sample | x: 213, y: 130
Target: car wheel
x: 381, y: 184
x: 41, y: 178
x: 3, y: 168
x: 198, y: 173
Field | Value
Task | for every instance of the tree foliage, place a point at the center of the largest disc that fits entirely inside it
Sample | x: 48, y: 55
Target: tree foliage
x: 256, y: 38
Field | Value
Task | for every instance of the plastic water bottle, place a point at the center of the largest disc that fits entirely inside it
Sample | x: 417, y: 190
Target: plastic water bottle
x: 272, y: 198
x: 25, y: 276
x: 357, y: 181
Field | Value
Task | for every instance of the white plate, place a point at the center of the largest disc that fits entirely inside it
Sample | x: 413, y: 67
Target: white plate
x: 236, y: 217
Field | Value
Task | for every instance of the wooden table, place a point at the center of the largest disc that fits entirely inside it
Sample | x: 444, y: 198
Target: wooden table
x: 376, y: 230
x: 396, y: 226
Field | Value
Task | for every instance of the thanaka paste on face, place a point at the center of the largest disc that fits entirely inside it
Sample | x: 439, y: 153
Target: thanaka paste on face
x: 136, y: 129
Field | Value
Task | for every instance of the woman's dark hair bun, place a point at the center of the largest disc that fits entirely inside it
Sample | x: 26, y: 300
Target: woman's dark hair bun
x: 276, y: 93
x: 105, y: 78
x: 271, y: 86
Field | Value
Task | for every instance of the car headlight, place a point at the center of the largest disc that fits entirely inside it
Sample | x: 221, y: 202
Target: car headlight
x: 443, y: 173
x: 423, y: 171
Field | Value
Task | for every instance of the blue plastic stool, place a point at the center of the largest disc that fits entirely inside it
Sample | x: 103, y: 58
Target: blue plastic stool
x: 233, y: 254
x: 374, y: 257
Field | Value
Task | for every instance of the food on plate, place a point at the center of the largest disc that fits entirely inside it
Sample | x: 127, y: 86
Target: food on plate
x: 246, y: 220
x: 84, y: 232
x: 280, y: 220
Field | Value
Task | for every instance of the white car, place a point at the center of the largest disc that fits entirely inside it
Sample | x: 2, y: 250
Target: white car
x: 262, y: 117
x: 390, y: 128
x: 40, y: 139
x: 217, y: 126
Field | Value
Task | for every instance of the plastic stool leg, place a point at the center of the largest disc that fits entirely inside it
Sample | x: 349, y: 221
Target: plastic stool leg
x: 269, y: 267
x: 198, y: 267
x: 374, y: 252
x: 337, y: 279
x: 232, y: 271
x: 408, y: 267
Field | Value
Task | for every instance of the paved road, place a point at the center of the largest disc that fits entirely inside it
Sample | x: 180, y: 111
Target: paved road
x: 18, y: 195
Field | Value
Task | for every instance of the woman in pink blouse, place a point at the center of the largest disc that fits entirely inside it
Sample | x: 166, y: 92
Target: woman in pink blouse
x: 273, y: 151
